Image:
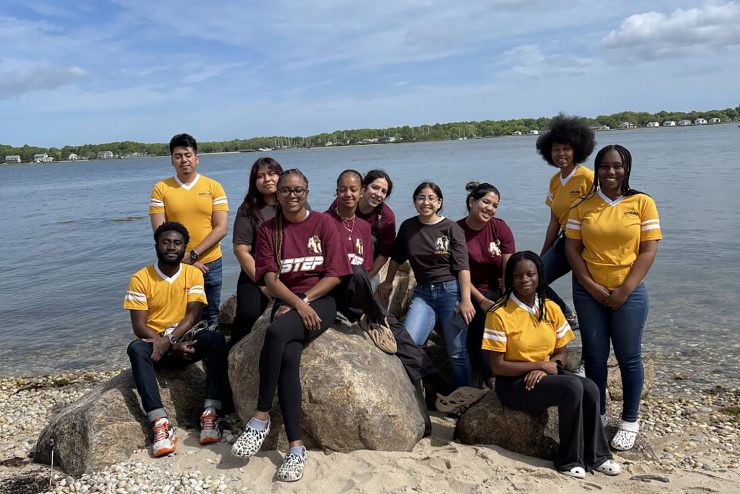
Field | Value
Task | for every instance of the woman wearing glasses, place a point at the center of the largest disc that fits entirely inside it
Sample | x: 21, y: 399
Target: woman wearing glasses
x: 258, y: 206
x: 435, y: 248
x: 300, y: 258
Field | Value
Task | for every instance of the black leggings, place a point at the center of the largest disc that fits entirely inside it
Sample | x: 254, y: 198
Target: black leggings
x: 478, y: 357
x: 250, y: 304
x: 582, y: 439
x: 280, y: 361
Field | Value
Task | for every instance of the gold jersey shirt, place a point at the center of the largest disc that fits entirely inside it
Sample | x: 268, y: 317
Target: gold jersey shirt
x: 563, y: 192
x: 192, y: 205
x: 164, y: 298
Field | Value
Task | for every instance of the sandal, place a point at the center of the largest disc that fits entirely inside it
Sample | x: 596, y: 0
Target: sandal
x: 625, y: 437
x: 575, y: 472
x: 250, y: 441
x: 292, y: 467
x: 463, y: 396
x: 380, y: 334
x: 609, y: 467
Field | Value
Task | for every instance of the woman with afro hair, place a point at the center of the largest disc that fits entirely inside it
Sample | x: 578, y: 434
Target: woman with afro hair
x: 567, y: 143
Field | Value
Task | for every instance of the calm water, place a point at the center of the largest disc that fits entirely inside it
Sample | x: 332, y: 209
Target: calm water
x: 74, y: 233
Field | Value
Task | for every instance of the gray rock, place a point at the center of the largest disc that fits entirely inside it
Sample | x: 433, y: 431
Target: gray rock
x: 107, y: 424
x: 528, y: 433
x: 354, y: 395
x: 227, y: 312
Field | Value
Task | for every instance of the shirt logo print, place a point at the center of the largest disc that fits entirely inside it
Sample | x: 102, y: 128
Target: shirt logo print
x: 359, y: 248
x: 442, y: 245
x: 314, y: 245
x: 494, y: 248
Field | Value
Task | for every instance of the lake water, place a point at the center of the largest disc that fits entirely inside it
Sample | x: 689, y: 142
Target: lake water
x: 74, y: 233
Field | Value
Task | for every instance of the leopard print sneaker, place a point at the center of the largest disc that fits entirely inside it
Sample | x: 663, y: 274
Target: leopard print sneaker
x: 250, y: 441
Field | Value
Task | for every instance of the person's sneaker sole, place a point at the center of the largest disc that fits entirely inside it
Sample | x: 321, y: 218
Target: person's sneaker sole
x: 165, y: 451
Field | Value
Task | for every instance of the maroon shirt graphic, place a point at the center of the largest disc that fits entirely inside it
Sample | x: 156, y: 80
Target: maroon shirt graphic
x: 356, y: 238
x: 485, y: 252
x: 311, y: 250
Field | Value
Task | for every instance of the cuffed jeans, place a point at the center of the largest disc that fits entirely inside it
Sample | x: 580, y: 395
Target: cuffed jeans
x: 212, y: 286
x: 623, y: 327
x: 438, y: 302
x: 556, y: 266
x: 208, y: 344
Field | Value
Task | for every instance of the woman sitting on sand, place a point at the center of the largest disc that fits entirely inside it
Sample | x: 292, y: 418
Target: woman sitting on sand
x: 525, y: 335
x: 490, y: 245
x: 258, y: 206
x: 613, y: 236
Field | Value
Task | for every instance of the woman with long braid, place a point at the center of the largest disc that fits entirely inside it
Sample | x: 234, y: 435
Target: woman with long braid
x: 525, y: 338
x: 301, y: 260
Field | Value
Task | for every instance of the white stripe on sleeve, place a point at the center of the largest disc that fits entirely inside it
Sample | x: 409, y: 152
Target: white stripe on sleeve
x: 135, y: 296
x: 494, y: 334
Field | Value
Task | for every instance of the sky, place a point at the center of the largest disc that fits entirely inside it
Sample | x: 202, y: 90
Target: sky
x: 97, y: 71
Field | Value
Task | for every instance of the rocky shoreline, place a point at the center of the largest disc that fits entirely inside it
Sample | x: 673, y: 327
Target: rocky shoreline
x: 691, y: 429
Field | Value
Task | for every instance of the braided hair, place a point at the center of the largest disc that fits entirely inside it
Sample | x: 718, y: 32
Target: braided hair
x: 626, y: 157
x: 371, y: 177
x: 524, y: 255
x: 277, y: 227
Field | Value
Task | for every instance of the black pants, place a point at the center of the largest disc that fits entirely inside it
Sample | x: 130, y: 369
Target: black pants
x: 355, y: 295
x: 478, y: 358
x: 250, y: 304
x: 208, y: 345
x: 280, y: 361
x: 582, y: 439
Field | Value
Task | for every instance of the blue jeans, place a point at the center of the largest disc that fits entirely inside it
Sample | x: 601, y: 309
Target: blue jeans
x: 212, y: 285
x: 437, y: 302
x: 624, y: 327
x: 556, y: 266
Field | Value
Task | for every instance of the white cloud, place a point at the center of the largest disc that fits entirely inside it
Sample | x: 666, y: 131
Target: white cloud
x: 529, y: 61
x: 17, y: 78
x: 708, y: 30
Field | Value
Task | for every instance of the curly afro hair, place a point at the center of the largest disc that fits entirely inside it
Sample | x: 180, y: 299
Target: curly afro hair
x: 567, y: 130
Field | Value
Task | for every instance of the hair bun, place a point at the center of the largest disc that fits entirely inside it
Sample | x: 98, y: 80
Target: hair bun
x: 470, y: 186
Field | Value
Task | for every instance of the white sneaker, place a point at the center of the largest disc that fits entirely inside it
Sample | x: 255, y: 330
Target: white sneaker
x: 575, y: 472
x: 292, y: 467
x: 609, y: 467
x: 250, y: 441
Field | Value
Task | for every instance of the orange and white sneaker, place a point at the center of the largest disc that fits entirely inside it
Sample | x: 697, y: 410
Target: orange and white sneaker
x: 164, y: 437
x: 210, y: 429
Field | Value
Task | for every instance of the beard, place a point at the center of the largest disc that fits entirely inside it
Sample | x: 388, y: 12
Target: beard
x: 170, y: 262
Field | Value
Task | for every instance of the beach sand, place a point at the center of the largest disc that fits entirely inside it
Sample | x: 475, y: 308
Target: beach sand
x: 694, y: 439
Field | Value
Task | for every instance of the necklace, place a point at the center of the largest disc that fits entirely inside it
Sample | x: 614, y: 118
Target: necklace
x: 348, y: 224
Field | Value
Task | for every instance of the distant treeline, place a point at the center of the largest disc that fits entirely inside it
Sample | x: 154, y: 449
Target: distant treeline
x: 435, y: 132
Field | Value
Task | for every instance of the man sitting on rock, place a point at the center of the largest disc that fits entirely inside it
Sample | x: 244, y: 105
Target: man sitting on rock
x: 166, y: 300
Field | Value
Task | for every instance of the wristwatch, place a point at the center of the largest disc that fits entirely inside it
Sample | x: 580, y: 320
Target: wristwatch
x: 194, y: 256
x: 172, y: 338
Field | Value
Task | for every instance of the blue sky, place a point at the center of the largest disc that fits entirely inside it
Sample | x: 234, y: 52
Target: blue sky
x: 93, y: 71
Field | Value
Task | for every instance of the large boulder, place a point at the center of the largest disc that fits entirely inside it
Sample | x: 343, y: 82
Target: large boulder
x: 354, y: 396
x: 528, y: 433
x: 108, y: 424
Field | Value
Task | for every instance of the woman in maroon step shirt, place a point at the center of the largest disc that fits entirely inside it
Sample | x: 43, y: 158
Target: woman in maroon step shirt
x: 301, y: 260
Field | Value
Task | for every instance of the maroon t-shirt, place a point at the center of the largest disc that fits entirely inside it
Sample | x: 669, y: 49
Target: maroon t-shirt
x: 384, y: 231
x: 246, y: 227
x: 436, y: 252
x: 357, y: 240
x: 311, y: 250
x: 485, y: 252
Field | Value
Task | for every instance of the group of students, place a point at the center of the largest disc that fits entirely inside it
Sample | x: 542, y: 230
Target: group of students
x: 493, y: 306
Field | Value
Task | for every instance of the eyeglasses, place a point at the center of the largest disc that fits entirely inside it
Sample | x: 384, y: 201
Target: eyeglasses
x: 427, y: 198
x: 287, y: 191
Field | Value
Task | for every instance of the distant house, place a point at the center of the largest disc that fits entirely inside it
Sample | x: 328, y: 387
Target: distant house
x: 627, y: 125
x: 13, y: 158
x: 715, y: 120
x: 73, y: 157
x: 42, y: 158
x: 534, y: 132
x: 669, y: 123
x: 700, y: 121
x: 516, y: 133
x: 652, y: 124
x: 105, y: 155
x: 604, y: 127
x: 684, y: 123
